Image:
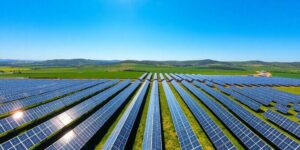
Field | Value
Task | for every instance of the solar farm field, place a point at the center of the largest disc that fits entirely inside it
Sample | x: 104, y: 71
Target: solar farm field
x: 152, y: 112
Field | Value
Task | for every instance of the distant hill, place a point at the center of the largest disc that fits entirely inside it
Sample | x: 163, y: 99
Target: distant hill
x: 14, y: 62
x: 193, y: 63
x: 74, y: 62
x: 57, y: 62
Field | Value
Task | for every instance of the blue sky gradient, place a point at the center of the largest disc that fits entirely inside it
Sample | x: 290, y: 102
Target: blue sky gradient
x: 233, y: 30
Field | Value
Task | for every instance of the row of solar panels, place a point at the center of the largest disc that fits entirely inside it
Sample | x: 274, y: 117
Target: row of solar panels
x: 28, y: 101
x: 235, y: 80
x: 22, y: 90
x: 247, y: 80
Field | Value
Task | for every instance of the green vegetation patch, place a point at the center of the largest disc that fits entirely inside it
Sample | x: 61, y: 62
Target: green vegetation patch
x: 293, y: 90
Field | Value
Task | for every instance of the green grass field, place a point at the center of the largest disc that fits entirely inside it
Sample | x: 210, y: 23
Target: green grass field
x: 293, y: 90
x: 124, y: 70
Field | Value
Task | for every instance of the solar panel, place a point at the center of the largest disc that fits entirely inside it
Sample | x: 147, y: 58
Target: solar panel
x: 281, y: 108
x: 149, y: 77
x: 274, y: 136
x: 274, y: 95
x: 30, y: 115
x: 152, y: 134
x: 186, y: 77
x: 155, y: 76
x: 216, y: 135
x: 83, y: 132
x: 283, y: 122
x: 168, y: 77
x: 39, y: 133
x: 143, y: 76
x: 176, y: 77
x: 186, y: 136
x: 252, y: 95
x: 161, y: 76
x: 241, y: 98
x: 227, y: 91
x: 297, y: 107
x: 121, y: 133
x: 249, y: 139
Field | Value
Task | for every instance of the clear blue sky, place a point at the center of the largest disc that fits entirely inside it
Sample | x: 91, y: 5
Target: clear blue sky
x: 150, y: 29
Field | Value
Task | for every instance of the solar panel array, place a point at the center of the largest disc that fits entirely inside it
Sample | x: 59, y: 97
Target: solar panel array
x: 17, y: 89
x: 83, y: 132
x: 274, y: 136
x: 152, y: 134
x: 12, y: 121
x: 121, y: 133
x: 283, y: 122
x: 273, y: 95
x: 241, y: 98
x: 249, y: 139
x: 40, y: 132
x: 248, y: 80
x: 252, y: 95
x: 15, y: 105
x: 218, y: 138
x: 75, y: 114
x: 186, y: 136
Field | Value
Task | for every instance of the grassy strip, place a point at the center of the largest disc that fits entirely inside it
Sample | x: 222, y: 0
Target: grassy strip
x: 226, y: 131
x: 203, y: 139
x: 293, y: 90
x: 170, y: 138
x: 138, y: 141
